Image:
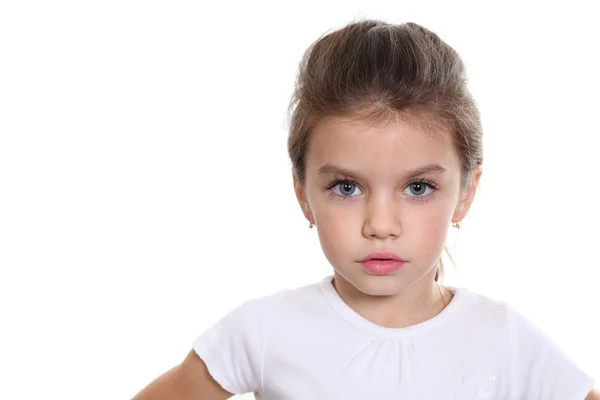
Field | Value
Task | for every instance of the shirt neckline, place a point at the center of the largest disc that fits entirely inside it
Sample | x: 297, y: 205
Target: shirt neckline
x: 456, y: 306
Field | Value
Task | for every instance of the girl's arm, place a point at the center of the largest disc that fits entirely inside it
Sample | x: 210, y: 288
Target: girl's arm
x: 594, y: 395
x: 190, y: 380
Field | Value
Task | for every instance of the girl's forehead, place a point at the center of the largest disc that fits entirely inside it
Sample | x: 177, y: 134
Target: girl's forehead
x: 400, y: 140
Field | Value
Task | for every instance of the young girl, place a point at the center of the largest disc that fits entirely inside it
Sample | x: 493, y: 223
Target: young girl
x: 386, y: 146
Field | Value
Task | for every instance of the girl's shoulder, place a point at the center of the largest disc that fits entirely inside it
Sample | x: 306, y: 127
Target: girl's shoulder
x: 535, y: 361
x: 257, y: 312
x: 485, y: 309
x: 233, y: 348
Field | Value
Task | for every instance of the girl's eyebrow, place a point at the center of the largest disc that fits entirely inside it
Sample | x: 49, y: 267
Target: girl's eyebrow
x: 329, y: 169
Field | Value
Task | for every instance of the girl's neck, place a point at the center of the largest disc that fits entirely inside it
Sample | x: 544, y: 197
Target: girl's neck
x: 419, y: 303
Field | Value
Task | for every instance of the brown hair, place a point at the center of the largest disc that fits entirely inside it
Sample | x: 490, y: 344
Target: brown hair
x: 379, y: 70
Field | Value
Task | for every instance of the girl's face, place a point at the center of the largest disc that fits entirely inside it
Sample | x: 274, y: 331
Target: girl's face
x: 382, y: 188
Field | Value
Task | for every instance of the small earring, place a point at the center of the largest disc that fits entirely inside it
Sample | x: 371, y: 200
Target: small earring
x: 456, y: 224
x: 311, y: 225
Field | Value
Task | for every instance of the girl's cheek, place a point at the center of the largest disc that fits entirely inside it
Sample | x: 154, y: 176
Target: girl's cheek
x: 431, y: 226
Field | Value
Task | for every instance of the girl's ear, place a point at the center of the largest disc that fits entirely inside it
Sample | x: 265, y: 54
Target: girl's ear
x: 468, y: 195
x: 300, y: 191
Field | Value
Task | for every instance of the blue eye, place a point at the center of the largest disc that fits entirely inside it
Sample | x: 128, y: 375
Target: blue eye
x: 345, y: 188
x: 419, y: 189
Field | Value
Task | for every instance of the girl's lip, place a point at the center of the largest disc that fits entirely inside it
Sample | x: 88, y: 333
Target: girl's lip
x: 382, y: 255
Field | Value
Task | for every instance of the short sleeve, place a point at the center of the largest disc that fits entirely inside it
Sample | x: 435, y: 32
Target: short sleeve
x: 233, y: 348
x: 539, y: 368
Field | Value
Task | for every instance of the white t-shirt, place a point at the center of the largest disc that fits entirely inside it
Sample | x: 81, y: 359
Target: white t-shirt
x: 308, y: 344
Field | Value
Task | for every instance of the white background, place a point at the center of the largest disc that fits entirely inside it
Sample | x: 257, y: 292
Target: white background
x: 145, y: 188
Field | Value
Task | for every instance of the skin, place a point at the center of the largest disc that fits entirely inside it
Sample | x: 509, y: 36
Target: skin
x: 189, y: 380
x: 380, y: 215
x: 380, y: 207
